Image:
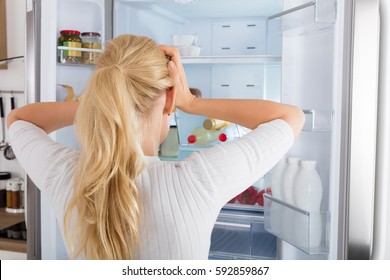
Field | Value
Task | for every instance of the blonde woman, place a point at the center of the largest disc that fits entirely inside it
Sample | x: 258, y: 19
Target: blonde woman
x: 115, y: 199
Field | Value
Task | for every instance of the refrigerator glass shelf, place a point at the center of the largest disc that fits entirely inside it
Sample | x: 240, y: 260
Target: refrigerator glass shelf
x: 237, y: 59
x: 306, y: 231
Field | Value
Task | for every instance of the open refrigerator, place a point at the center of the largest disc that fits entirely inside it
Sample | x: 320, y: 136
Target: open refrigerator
x: 321, y: 55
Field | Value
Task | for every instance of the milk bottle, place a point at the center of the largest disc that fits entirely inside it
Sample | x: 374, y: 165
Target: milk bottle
x: 308, y: 196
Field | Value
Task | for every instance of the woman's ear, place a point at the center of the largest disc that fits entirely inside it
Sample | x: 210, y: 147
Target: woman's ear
x: 170, y: 101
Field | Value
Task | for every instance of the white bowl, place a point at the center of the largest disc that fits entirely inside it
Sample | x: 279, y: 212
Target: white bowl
x: 184, y: 40
x: 189, y: 50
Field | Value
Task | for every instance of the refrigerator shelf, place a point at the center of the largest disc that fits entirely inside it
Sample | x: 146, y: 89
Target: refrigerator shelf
x: 234, y: 59
x: 243, y: 207
x: 306, y: 231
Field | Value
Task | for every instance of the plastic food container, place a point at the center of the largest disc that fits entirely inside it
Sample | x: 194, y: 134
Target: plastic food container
x: 184, y: 40
x: 189, y: 50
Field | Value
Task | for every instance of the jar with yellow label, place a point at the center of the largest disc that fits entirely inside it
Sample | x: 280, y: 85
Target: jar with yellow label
x: 91, y: 40
x: 70, y: 38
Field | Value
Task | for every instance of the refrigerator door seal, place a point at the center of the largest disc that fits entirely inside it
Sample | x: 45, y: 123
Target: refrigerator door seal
x: 32, y: 90
x: 362, y: 130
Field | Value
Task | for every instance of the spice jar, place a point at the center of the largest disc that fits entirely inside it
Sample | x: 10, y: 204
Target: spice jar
x: 14, y: 187
x: 91, y: 40
x: 4, y: 176
x: 70, y: 38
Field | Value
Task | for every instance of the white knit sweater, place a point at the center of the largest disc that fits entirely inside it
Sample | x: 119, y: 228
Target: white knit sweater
x: 180, y: 200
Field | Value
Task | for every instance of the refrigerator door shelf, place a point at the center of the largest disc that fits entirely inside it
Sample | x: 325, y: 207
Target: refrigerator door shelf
x: 318, y: 120
x: 241, y: 235
x: 62, y: 50
x: 309, y: 18
x: 306, y: 231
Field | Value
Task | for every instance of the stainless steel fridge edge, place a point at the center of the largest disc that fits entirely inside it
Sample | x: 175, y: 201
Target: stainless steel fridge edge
x: 381, y: 242
x: 32, y: 90
x: 363, y: 123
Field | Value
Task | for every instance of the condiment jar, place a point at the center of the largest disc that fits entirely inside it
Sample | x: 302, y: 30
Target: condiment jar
x: 91, y: 40
x: 4, y: 176
x: 70, y: 38
x: 14, y: 187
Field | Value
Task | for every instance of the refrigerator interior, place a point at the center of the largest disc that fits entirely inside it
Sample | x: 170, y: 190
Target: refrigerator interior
x: 288, y: 58
x: 249, y: 50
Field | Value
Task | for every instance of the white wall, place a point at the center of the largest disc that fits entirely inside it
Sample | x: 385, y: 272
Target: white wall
x: 13, y: 79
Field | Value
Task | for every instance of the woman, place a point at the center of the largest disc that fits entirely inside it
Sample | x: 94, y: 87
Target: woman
x: 115, y: 199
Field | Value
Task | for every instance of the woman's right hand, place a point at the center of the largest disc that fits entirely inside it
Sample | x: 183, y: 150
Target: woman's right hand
x: 184, y: 98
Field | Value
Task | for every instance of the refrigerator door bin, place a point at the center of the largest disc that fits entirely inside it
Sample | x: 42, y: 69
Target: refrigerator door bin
x: 305, y: 19
x: 318, y: 120
x: 241, y: 235
x: 302, y: 229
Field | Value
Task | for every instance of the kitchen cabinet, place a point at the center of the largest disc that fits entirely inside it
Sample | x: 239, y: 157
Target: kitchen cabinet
x: 8, y: 220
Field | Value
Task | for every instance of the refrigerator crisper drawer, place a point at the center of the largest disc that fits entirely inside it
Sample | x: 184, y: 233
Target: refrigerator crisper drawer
x: 302, y: 229
x: 241, y: 235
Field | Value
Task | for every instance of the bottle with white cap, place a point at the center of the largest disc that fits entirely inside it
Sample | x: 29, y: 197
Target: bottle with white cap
x: 307, y: 196
x: 288, y: 180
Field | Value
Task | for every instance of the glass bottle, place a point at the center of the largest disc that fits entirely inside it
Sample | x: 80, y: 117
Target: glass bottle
x: 4, y: 176
x: 70, y: 38
x: 91, y: 40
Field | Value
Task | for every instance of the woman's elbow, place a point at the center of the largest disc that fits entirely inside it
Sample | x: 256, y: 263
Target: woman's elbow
x: 298, y: 120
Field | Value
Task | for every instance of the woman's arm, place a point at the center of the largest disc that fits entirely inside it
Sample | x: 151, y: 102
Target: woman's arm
x: 248, y: 113
x: 49, y: 116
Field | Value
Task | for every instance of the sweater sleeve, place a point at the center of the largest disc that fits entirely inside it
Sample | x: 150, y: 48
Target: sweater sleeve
x: 49, y: 164
x: 226, y: 170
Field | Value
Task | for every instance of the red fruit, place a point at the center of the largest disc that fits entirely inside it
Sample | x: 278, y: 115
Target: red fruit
x: 260, y: 197
x: 249, y: 196
x: 232, y: 200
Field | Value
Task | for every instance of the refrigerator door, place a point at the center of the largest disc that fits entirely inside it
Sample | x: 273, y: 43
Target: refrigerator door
x: 43, y: 78
x: 361, y: 151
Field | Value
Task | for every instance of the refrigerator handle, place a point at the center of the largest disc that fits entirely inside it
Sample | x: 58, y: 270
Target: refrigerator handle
x: 32, y: 90
x: 381, y: 240
x: 363, y: 128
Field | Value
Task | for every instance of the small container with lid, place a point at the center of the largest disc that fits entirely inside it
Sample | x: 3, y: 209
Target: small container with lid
x: 14, y: 187
x: 91, y: 40
x: 70, y: 38
x: 4, y: 176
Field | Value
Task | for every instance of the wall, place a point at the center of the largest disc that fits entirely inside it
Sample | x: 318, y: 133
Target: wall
x: 13, y: 79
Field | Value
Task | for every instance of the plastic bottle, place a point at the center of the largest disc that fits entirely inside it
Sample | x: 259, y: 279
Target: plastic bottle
x: 232, y: 132
x: 288, y: 180
x: 307, y: 196
x: 201, y: 136
x: 276, y: 178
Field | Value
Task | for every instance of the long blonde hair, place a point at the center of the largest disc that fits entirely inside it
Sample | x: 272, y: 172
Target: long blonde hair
x: 103, y: 215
